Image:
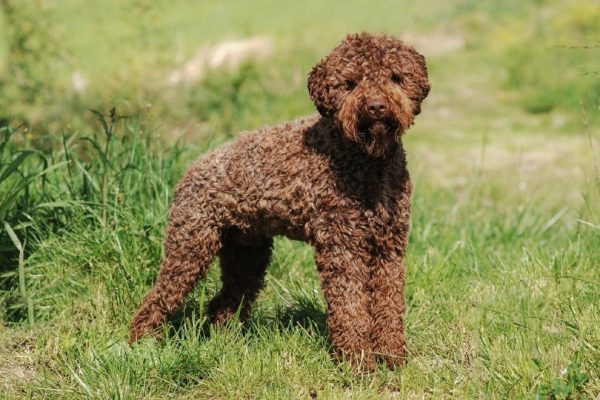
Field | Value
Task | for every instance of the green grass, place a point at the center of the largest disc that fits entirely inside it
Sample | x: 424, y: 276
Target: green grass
x: 503, y: 288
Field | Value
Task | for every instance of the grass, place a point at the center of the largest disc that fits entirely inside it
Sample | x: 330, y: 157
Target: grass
x: 504, y: 250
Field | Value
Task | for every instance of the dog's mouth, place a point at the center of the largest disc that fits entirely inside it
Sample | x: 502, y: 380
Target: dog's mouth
x: 378, y: 129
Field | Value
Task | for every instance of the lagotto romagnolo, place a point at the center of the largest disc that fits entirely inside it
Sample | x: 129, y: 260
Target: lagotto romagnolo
x: 337, y: 180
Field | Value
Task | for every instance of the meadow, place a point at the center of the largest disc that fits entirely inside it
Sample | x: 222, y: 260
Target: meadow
x: 503, y: 291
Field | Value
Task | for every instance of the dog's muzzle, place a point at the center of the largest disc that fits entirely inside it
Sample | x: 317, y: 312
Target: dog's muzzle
x: 376, y: 119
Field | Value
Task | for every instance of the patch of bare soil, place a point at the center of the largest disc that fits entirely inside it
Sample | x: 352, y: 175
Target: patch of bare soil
x: 436, y: 43
x: 228, y: 54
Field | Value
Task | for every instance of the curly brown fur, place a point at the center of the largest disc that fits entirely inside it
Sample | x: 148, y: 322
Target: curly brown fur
x: 337, y: 181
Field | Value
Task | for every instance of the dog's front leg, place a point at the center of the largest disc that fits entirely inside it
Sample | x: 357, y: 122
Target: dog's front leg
x: 344, y: 275
x: 387, y: 308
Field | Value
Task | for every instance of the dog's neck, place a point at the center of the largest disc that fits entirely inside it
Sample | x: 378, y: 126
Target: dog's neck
x: 358, y: 174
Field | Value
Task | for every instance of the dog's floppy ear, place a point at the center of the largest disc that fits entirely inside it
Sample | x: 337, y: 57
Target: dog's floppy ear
x: 319, y: 90
x: 423, y: 81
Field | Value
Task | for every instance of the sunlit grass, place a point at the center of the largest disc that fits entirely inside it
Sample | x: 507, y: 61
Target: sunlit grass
x: 504, y: 250
x: 502, y: 292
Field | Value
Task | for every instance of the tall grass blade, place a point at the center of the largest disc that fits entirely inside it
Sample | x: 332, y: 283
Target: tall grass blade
x: 22, y: 284
x: 15, y: 164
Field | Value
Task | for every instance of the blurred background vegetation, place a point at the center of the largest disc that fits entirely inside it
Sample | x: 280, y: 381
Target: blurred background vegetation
x: 503, y: 292
x: 60, y: 58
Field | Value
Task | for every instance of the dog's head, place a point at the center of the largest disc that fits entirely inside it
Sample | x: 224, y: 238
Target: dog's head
x: 372, y: 86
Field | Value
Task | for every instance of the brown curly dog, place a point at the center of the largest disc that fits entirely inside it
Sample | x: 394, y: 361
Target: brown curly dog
x: 337, y: 181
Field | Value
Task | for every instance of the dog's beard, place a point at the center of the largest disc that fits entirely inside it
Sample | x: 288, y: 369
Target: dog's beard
x: 374, y: 135
x: 378, y: 128
x: 377, y: 135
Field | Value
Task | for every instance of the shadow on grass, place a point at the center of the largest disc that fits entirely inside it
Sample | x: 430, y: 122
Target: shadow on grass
x: 304, y: 314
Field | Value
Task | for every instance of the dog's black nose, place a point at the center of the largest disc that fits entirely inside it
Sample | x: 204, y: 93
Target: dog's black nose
x: 376, y: 106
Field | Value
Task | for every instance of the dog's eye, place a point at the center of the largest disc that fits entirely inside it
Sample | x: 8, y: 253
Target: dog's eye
x: 396, y: 78
x: 350, y: 84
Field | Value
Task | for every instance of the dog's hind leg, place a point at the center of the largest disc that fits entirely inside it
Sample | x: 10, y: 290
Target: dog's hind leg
x: 190, y: 247
x: 243, y: 267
